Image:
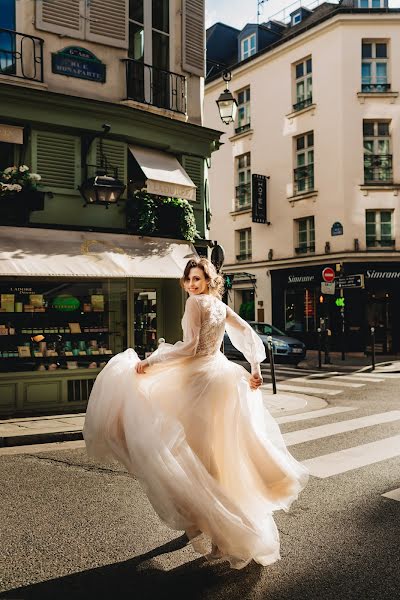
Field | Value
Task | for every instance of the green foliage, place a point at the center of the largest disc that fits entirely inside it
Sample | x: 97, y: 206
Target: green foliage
x: 246, y: 311
x: 18, y: 179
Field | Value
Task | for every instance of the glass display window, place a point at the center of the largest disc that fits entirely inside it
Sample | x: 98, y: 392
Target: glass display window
x: 145, y: 321
x: 300, y: 310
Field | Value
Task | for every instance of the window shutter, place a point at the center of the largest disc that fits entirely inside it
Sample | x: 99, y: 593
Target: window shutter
x: 57, y: 158
x: 107, y: 22
x: 193, y: 37
x: 117, y: 156
x: 193, y: 166
x: 61, y: 16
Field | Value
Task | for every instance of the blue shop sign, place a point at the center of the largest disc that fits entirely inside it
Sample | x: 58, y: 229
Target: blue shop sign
x: 337, y: 229
x: 78, y: 62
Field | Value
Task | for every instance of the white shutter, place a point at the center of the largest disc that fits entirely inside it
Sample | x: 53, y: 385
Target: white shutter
x: 193, y: 37
x: 57, y: 158
x: 107, y: 22
x: 66, y: 17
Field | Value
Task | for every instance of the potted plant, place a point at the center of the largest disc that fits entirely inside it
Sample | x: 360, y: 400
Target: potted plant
x: 19, y: 193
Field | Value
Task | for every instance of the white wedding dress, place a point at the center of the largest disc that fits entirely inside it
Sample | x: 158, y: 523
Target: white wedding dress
x: 207, y: 452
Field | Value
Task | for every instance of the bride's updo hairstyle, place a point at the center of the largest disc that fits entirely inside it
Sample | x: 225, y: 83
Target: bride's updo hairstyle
x: 215, y: 282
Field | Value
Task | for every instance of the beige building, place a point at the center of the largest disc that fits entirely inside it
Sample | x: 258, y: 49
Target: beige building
x: 318, y: 114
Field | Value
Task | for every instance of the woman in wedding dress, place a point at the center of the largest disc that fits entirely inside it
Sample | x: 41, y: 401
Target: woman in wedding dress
x: 192, y: 427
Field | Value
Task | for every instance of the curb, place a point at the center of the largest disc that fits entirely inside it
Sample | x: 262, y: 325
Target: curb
x: 39, y: 438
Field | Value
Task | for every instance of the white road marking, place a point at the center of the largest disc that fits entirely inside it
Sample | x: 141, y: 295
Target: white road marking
x: 314, y: 414
x: 364, y: 377
x: 353, y: 458
x: 315, y: 433
x: 393, y: 495
x: 304, y: 390
x: 334, y: 382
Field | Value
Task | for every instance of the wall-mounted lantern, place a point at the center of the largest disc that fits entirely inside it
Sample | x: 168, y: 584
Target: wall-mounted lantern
x: 227, y: 104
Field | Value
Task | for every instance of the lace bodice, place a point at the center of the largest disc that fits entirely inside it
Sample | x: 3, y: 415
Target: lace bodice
x: 212, y: 326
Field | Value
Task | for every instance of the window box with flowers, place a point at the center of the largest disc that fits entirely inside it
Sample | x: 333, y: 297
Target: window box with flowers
x: 148, y: 214
x: 19, y: 194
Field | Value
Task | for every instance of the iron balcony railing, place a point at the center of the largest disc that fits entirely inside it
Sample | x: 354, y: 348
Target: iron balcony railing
x: 378, y: 168
x: 243, y: 128
x: 303, y: 179
x: 383, y: 243
x: 154, y: 86
x: 243, y: 256
x: 243, y: 196
x: 303, y: 103
x: 375, y: 87
x: 21, y: 55
x: 304, y: 249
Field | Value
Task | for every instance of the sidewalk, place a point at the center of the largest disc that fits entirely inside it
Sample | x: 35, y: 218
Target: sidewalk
x: 60, y: 428
x: 353, y: 360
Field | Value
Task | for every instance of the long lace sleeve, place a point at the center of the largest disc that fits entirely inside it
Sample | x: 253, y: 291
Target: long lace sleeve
x: 191, y: 323
x: 245, y: 340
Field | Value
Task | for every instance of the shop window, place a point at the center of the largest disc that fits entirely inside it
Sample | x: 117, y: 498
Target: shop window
x: 7, y: 155
x: 243, y: 113
x: 374, y: 66
x: 305, y: 235
x: 303, y: 83
x: 246, y: 308
x: 244, y: 244
x: 248, y: 46
x: 379, y: 229
x: 58, y: 325
x: 304, y: 160
x: 243, y: 182
x: 300, y: 310
x: 145, y: 325
x: 378, y: 163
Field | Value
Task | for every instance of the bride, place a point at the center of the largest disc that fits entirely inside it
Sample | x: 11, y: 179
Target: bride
x: 192, y: 427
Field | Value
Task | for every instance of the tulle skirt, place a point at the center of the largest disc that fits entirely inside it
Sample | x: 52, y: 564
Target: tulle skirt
x: 208, y: 454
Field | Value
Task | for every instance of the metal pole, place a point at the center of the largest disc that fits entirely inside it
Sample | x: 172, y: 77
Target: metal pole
x: 319, y: 349
x: 271, y: 363
x: 373, y: 347
x: 342, y: 316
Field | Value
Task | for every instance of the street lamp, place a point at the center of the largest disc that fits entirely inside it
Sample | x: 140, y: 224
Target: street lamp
x: 227, y: 104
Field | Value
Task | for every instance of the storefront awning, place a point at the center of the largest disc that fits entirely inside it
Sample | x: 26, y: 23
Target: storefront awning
x: 165, y: 175
x: 28, y: 252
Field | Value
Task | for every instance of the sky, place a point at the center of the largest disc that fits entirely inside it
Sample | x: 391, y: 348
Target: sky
x: 239, y: 12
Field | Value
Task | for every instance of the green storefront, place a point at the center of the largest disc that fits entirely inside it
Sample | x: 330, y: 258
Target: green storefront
x: 81, y: 283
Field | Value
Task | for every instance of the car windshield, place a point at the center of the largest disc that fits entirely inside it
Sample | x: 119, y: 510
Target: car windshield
x: 265, y: 329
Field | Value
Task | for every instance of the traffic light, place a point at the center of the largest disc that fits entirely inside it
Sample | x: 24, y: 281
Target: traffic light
x: 340, y: 302
x: 228, y: 280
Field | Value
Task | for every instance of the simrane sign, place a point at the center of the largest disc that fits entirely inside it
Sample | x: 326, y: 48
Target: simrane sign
x: 373, y: 274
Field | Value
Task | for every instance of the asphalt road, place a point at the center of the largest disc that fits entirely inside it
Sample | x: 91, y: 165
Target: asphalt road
x: 75, y: 529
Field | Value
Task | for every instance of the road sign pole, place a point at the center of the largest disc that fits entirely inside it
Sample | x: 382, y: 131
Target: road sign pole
x: 319, y: 349
x: 342, y: 316
x: 271, y: 362
x: 373, y: 347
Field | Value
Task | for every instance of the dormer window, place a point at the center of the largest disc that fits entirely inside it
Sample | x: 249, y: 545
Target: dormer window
x: 248, y: 46
x: 296, y: 18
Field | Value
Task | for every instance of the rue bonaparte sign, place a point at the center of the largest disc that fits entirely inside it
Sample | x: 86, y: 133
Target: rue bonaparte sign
x: 74, y: 61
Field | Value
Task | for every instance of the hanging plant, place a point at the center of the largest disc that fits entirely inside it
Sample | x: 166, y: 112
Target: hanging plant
x: 14, y: 180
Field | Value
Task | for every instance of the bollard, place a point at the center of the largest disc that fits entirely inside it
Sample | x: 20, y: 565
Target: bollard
x: 373, y: 347
x: 319, y: 349
x: 271, y: 363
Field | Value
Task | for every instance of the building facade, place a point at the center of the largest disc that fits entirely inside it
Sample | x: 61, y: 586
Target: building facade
x: 95, y: 97
x: 318, y: 116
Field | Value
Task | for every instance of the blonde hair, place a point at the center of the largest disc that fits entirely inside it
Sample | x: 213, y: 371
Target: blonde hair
x: 214, y: 280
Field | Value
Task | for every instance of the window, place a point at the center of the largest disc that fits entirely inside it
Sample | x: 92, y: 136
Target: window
x: 377, y: 152
x: 372, y: 3
x: 244, y: 244
x: 7, y: 155
x: 243, y: 186
x: 7, y: 40
x: 300, y: 310
x: 248, y: 46
x: 303, y: 82
x: 374, y: 67
x: 243, y: 118
x: 304, y: 171
x: 296, y: 18
x: 305, y: 235
x: 378, y: 228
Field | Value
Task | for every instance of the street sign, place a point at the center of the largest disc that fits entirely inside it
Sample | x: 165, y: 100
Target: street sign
x: 327, y: 287
x: 328, y: 274
x: 350, y: 281
x: 337, y: 228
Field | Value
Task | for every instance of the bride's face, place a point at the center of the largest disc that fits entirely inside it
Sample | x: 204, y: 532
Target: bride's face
x: 196, y: 282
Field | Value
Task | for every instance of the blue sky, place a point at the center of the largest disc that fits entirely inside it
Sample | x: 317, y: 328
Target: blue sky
x: 239, y: 12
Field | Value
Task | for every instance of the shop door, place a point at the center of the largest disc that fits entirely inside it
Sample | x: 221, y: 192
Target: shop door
x: 379, y: 316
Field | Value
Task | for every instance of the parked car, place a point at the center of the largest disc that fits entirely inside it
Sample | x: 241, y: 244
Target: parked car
x: 286, y: 349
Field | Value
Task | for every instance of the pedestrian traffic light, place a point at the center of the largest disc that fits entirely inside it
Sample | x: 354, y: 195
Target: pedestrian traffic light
x: 228, y: 280
x: 340, y: 302
x: 321, y: 299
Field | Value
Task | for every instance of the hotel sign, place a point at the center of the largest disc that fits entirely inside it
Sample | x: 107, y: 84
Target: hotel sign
x: 259, y: 198
x: 78, y: 62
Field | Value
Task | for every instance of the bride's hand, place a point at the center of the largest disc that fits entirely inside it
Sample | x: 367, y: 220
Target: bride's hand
x: 255, y: 382
x: 141, y: 366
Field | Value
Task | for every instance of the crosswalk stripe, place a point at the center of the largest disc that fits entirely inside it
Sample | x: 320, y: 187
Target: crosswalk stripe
x: 393, y: 495
x: 316, y: 433
x: 331, y: 382
x: 304, y: 389
x: 353, y: 458
x: 356, y: 378
x: 289, y: 370
x: 368, y: 377
x: 314, y: 414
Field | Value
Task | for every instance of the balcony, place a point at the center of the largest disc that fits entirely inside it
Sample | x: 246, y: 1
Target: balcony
x: 375, y: 88
x: 21, y: 55
x: 379, y: 244
x: 242, y: 128
x: 303, y: 179
x: 302, y: 104
x: 378, y: 169
x: 149, y: 85
x: 303, y: 249
x: 243, y: 257
x: 243, y: 196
